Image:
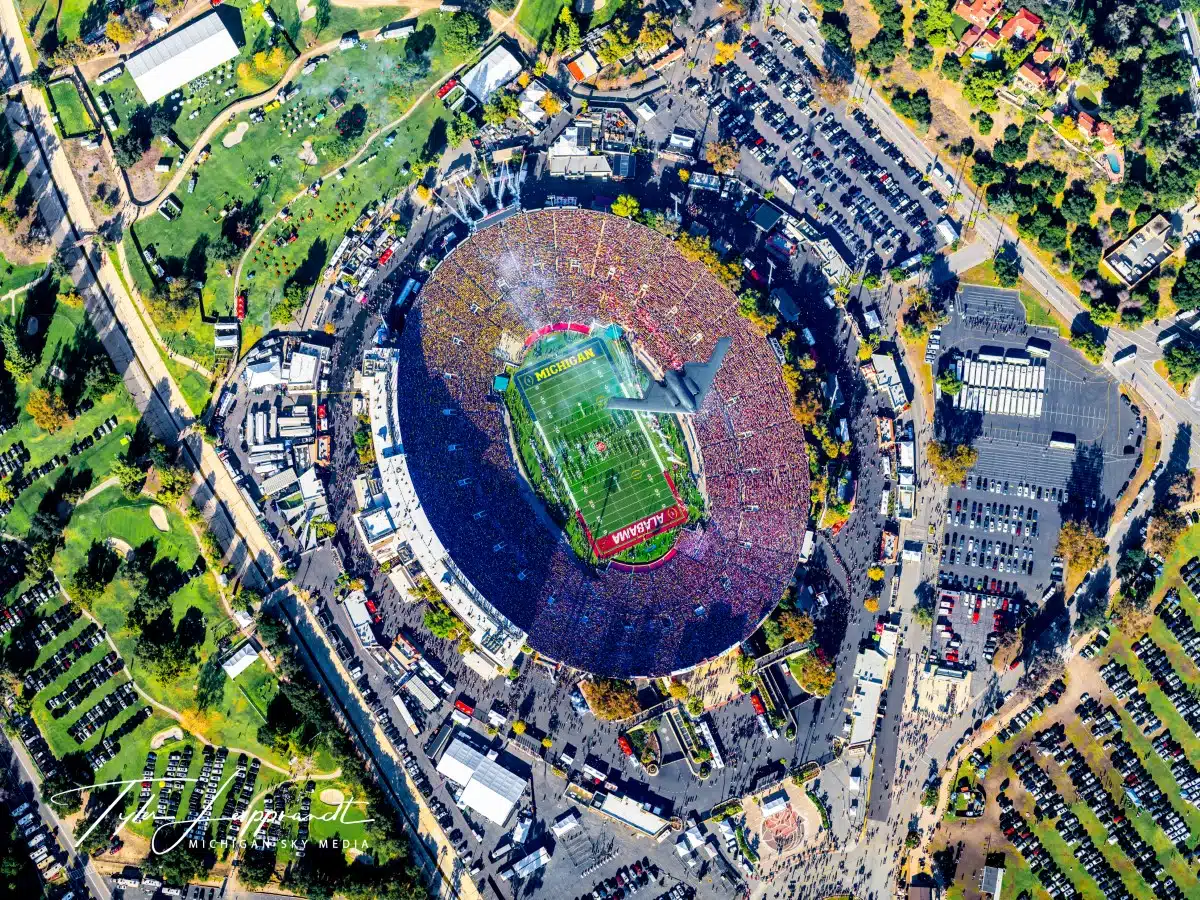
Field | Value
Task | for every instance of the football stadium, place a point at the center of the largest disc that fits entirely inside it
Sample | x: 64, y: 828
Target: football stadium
x: 543, y: 316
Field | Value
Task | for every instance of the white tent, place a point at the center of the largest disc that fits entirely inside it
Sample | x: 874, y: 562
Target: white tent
x: 265, y: 373
x: 492, y: 72
x: 488, y: 788
x: 184, y: 54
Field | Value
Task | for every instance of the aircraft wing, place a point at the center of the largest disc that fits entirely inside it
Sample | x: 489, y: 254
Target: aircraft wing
x: 657, y: 399
x: 699, y: 376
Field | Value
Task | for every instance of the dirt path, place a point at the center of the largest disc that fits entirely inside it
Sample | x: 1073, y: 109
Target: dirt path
x: 99, y: 488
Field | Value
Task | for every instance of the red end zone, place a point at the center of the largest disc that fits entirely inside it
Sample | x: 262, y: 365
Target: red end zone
x: 635, y: 532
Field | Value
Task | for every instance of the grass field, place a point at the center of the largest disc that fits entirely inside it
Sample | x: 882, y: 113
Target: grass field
x: 66, y: 331
x: 252, y: 71
x: 229, y: 716
x: 537, y: 17
x: 384, y: 78
x: 612, y: 470
x: 73, y: 117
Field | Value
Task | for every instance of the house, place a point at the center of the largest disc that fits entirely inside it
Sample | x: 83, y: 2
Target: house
x: 1093, y: 129
x: 1023, y: 26
x: 583, y: 67
x: 1043, y: 53
x: 978, y: 12
x: 986, y: 44
x: 1035, y: 78
x: 968, y: 40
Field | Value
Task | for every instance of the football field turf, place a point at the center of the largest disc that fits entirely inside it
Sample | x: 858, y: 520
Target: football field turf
x: 608, y: 460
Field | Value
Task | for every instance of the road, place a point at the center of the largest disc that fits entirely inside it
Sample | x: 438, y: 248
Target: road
x: 1172, y: 409
x: 21, y: 770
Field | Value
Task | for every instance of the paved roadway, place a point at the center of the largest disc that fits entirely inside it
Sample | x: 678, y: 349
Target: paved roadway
x: 1172, y: 409
x: 21, y: 772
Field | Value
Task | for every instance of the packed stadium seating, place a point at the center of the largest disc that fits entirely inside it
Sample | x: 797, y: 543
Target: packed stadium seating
x: 550, y: 266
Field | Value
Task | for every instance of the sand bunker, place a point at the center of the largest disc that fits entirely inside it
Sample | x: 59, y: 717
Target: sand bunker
x: 332, y: 796
x: 120, y: 547
x: 233, y: 138
x: 307, y: 156
x: 158, y: 516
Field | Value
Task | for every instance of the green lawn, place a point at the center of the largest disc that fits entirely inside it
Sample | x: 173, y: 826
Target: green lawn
x: 13, y: 276
x: 537, y: 17
x: 252, y: 71
x: 66, y: 331
x: 959, y: 26
x: 73, y: 117
x: 379, y: 76
x: 232, y: 719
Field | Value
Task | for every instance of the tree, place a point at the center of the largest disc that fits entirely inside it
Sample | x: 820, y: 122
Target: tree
x: 875, y: 573
x: 983, y: 122
x: 463, y: 34
x: 787, y: 626
x: 500, y: 108
x: 1007, y: 266
x: 442, y: 622
x: 1088, y: 344
x: 724, y: 53
x: 813, y: 672
x: 655, y: 33
x: 1164, y: 530
x: 518, y: 727
x: 723, y: 156
x: 952, y: 69
x: 920, y: 56
x: 118, y: 32
x: 949, y: 382
x: 130, y: 477
x: 626, y: 206
x: 223, y: 249
x: 17, y: 362
x: 610, y: 698
x: 565, y: 37
x: 1081, y: 547
x: 951, y: 463
x: 324, y: 13
x: 550, y: 105
x: 257, y: 865
x: 173, y: 481
x: 616, y: 45
x: 48, y: 409
x: 1185, y: 292
x: 1182, y: 361
x: 677, y: 691
x: 1078, y: 204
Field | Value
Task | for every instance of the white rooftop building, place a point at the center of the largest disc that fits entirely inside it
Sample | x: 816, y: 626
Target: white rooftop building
x: 265, y: 373
x: 491, y: 73
x: 487, y: 787
x: 240, y: 661
x: 186, y: 53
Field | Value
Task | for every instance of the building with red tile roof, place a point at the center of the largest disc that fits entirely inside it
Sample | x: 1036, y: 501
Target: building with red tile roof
x: 978, y: 12
x: 1034, y: 77
x: 1023, y: 26
x: 1043, y: 53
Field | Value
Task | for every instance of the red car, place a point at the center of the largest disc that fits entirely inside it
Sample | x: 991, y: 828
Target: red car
x: 626, y: 747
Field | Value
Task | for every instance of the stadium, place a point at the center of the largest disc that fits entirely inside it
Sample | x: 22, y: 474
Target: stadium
x: 573, y: 296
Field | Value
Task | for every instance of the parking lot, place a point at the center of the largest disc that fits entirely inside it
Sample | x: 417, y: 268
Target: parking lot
x: 1075, y: 455
x: 829, y: 163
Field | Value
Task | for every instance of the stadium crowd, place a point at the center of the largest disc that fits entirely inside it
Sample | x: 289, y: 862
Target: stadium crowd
x: 576, y: 265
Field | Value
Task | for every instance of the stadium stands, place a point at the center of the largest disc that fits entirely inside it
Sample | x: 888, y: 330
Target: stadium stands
x: 582, y: 266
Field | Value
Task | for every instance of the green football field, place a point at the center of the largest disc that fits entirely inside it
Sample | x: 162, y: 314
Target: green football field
x: 608, y: 460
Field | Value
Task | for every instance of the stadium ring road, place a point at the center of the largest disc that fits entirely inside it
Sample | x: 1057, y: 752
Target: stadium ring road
x: 573, y: 265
